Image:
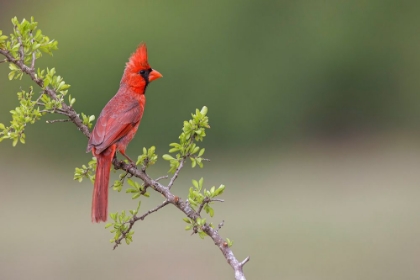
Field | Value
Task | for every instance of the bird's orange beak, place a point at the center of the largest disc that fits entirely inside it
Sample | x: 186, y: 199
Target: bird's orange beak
x: 154, y: 75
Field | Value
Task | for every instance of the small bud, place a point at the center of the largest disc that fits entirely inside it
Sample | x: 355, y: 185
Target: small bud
x: 176, y: 198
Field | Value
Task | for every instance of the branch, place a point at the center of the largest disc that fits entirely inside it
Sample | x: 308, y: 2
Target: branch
x: 70, y: 112
x: 135, y: 219
x: 182, y: 205
x: 181, y: 164
x: 185, y: 207
x: 206, y: 201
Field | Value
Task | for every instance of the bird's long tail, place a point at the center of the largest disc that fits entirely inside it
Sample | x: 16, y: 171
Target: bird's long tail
x: 100, y: 190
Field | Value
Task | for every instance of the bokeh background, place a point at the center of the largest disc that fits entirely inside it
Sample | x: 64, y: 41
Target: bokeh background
x: 315, y: 112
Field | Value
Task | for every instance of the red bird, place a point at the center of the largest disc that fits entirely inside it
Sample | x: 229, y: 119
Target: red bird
x: 117, y: 124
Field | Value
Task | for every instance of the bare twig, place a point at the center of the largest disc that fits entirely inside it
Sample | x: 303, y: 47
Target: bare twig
x: 206, y: 201
x: 161, y: 177
x: 181, y: 164
x: 58, y: 111
x: 178, y: 202
x: 220, y: 225
x: 59, y: 120
x: 166, y: 202
x: 244, y: 261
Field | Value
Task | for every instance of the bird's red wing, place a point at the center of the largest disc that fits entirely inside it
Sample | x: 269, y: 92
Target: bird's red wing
x: 117, y: 119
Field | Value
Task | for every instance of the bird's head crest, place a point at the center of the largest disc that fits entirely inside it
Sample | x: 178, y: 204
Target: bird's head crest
x: 138, y: 73
x: 138, y: 60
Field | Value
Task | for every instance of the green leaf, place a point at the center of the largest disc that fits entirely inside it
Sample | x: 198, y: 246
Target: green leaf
x: 108, y: 225
x: 229, y: 242
x: 219, y: 190
x: 212, y: 190
x: 131, y: 182
x: 15, y: 141
x: 202, y: 234
x: 11, y: 75
x: 195, y: 184
x: 204, y: 110
x: 167, y: 157
x: 211, y: 212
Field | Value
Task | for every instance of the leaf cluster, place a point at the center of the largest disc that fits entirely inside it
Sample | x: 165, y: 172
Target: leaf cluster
x: 148, y: 157
x: 121, y: 225
x: 193, y: 130
x: 86, y: 171
x: 136, y: 189
x: 25, y: 45
x: 199, y: 199
x: 26, y: 40
x: 27, y: 112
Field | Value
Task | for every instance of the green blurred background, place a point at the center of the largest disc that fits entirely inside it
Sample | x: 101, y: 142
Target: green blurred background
x: 314, y: 109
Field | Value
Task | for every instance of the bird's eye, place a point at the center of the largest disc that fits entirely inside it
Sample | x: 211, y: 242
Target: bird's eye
x: 142, y: 72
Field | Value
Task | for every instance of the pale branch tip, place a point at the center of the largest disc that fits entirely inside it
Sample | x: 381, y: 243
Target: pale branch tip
x: 161, y: 178
x: 182, y: 205
x: 206, y: 201
x: 59, y: 120
x: 220, y: 225
x: 244, y: 261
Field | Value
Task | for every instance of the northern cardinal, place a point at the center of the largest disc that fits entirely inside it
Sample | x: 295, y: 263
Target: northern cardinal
x: 117, y: 124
